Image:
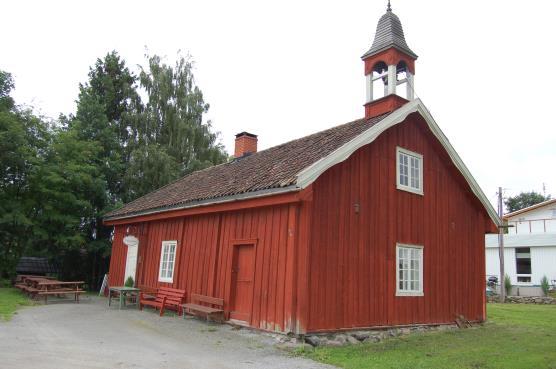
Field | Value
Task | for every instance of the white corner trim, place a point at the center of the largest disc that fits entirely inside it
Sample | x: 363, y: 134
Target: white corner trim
x: 312, y: 172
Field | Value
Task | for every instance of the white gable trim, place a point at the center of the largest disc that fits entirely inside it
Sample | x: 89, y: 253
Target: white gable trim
x: 312, y: 172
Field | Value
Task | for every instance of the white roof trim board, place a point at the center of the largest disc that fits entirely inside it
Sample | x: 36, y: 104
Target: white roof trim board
x: 522, y: 240
x: 311, y: 173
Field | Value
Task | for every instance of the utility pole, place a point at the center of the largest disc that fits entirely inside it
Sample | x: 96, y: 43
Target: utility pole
x: 501, y: 246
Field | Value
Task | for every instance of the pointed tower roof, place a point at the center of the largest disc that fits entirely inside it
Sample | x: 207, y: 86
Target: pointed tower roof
x: 389, y: 33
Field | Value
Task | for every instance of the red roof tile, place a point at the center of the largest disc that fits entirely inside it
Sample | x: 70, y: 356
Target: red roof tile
x: 276, y: 167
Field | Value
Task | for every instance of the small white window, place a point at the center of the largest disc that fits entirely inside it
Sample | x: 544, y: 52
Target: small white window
x: 409, y: 169
x: 167, y: 258
x: 409, y: 270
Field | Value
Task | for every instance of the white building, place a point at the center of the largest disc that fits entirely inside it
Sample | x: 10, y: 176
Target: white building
x: 529, y: 248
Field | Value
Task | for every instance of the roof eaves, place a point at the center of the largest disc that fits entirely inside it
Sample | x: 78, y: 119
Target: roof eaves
x: 206, y: 202
x: 529, y: 208
x: 407, y: 51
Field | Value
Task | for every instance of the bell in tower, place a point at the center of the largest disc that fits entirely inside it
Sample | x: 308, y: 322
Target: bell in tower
x: 389, y: 67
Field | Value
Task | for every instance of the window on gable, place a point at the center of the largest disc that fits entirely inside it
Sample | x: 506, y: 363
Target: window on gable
x: 409, y: 270
x: 409, y: 171
x: 167, y: 259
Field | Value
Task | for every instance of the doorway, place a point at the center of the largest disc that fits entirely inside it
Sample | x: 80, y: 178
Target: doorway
x: 131, y: 263
x: 243, y: 271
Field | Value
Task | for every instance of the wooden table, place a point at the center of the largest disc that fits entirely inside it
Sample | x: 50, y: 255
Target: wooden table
x: 123, y: 292
x: 52, y: 287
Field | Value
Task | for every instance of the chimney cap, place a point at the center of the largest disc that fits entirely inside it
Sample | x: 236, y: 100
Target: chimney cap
x: 244, y: 133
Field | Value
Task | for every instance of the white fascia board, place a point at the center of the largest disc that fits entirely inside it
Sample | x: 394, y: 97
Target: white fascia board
x: 312, y: 172
x: 522, y: 240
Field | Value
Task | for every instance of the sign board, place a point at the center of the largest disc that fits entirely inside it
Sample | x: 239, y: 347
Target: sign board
x: 131, y: 241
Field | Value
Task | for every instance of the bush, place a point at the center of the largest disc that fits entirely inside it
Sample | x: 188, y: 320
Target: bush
x: 544, y: 285
x: 5, y: 282
x: 507, y: 284
x: 129, y: 282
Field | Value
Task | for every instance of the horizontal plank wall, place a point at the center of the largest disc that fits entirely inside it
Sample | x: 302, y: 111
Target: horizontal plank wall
x: 204, y: 257
x: 358, y: 217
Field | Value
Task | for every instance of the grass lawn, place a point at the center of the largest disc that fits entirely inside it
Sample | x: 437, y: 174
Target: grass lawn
x: 516, y: 336
x: 10, y: 300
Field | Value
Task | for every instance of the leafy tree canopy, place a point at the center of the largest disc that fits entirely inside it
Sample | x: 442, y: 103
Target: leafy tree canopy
x: 130, y: 135
x: 524, y: 200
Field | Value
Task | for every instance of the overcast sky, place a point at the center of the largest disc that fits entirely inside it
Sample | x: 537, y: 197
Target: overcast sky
x: 285, y: 69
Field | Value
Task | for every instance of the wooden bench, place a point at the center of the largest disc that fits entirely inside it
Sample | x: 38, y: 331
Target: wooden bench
x: 206, y: 306
x: 64, y: 291
x: 166, y: 298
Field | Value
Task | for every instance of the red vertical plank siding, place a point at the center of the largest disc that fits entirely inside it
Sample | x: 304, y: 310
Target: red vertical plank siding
x: 353, y: 254
x: 204, y: 257
x: 118, y: 258
x: 327, y: 260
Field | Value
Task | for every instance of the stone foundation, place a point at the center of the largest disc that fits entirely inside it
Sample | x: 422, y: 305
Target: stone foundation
x: 524, y: 300
x: 363, y: 336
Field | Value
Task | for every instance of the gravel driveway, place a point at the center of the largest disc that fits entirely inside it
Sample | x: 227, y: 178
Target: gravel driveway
x: 90, y: 335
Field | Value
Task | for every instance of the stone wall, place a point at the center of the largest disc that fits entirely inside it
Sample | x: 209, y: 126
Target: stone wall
x: 357, y: 337
x: 524, y: 300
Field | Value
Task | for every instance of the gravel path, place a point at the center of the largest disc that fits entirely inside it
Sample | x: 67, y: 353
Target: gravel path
x: 90, y: 335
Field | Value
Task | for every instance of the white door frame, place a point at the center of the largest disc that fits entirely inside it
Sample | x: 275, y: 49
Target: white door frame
x: 131, y: 258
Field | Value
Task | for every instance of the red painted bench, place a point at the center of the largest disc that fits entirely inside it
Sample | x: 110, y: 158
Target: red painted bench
x: 166, y: 298
x: 205, y: 305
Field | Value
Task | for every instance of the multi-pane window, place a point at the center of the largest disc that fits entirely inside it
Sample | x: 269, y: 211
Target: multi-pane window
x: 523, y: 264
x: 409, y: 270
x: 409, y: 171
x: 167, y: 259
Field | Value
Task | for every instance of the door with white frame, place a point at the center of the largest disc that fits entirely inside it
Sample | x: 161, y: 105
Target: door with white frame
x: 132, y: 244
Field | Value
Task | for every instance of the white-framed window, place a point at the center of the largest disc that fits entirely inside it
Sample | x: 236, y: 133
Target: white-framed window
x: 167, y: 260
x: 409, y: 171
x: 523, y: 265
x: 409, y: 270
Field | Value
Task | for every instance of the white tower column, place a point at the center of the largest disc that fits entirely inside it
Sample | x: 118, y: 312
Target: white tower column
x: 392, y: 79
x: 369, y: 86
x: 410, y: 84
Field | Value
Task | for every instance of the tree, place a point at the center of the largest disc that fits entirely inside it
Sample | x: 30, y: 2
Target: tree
x: 150, y: 168
x: 6, y: 86
x: 171, y: 138
x: 523, y: 200
x: 23, y: 140
x: 107, y: 106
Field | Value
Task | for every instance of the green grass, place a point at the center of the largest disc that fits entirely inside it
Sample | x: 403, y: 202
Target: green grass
x: 516, y: 336
x: 10, y: 300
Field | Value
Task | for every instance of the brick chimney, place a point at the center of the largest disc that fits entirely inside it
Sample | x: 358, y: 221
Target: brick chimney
x: 245, y: 143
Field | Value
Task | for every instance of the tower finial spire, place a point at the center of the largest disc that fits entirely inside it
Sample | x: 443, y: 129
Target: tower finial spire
x: 389, y: 7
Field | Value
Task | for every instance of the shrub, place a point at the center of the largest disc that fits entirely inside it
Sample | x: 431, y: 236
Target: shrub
x: 544, y: 285
x: 129, y: 282
x: 5, y: 282
x: 507, y: 284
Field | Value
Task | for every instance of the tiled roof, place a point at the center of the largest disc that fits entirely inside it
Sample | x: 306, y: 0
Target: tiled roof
x: 389, y: 33
x: 273, y: 168
x: 34, y: 265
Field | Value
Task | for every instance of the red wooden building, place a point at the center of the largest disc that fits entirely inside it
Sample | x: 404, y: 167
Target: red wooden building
x: 373, y: 223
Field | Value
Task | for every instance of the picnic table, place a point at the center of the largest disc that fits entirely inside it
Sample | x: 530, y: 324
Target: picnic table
x: 122, y: 293
x: 44, y: 286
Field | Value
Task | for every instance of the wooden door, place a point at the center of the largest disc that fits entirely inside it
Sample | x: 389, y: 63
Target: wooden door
x: 243, y: 268
x: 131, y: 263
